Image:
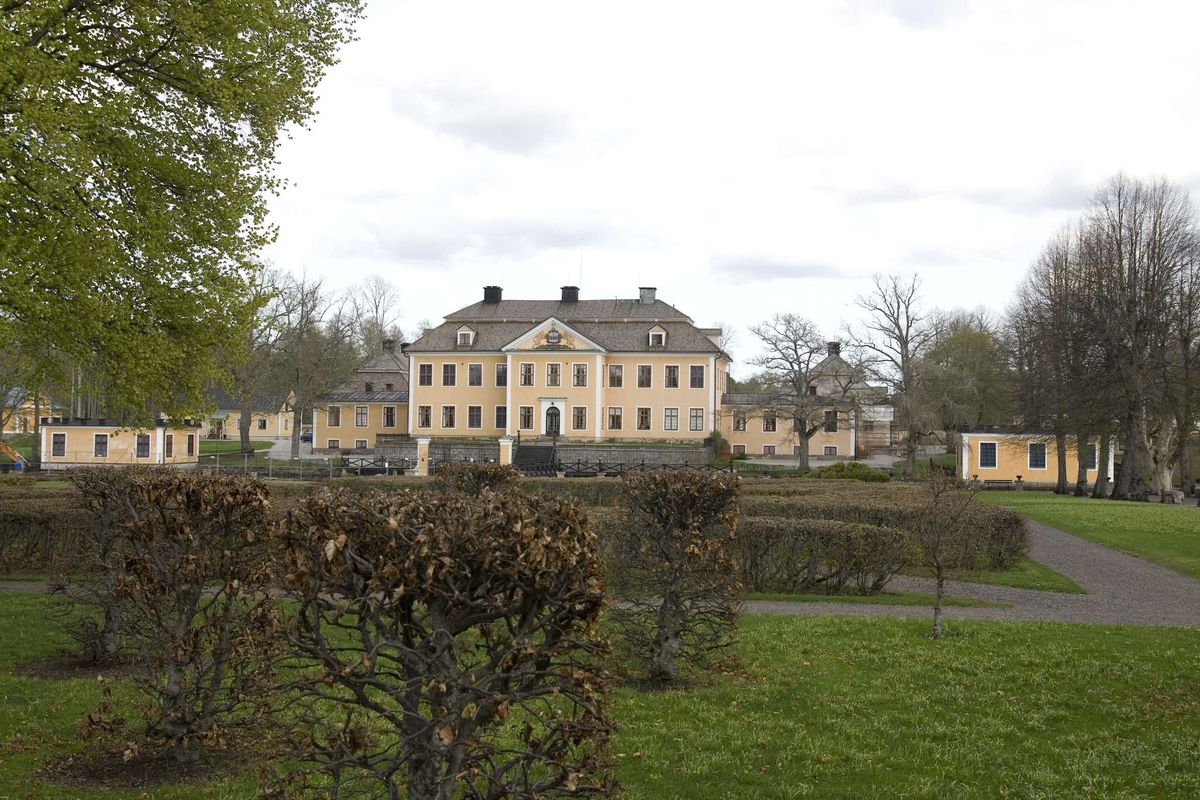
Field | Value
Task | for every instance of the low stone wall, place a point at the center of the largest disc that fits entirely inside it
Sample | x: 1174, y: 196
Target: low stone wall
x: 630, y: 456
x: 395, y: 452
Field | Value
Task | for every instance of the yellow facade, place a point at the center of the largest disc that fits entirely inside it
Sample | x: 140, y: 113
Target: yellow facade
x: 262, y: 423
x: 748, y: 432
x: 1029, y: 458
x: 358, y: 424
x: 65, y: 446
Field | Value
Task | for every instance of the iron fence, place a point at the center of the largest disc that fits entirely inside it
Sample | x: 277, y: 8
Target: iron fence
x: 593, y: 469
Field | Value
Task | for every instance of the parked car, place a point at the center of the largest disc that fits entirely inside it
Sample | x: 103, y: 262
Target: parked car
x: 306, y: 436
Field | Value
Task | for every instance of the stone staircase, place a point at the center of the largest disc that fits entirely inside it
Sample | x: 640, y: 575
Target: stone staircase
x: 535, y: 459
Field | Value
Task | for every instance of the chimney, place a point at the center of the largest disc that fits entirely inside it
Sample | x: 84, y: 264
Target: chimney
x: 570, y: 294
x: 646, y: 294
x: 835, y: 348
x: 389, y: 345
x: 492, y: 294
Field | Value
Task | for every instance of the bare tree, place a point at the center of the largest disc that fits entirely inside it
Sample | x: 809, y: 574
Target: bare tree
x: 894, y: 337
x: 945, y: 535
x: 376, y: 308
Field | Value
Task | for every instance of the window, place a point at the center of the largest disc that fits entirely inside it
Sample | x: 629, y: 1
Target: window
x: 238, y: 423
x: 526, y: 374
x: 169, y: 446
x: 334, y: 444
x: 100, y: 446
x: 464, y: 338
x: 797, y: 449
x: 812, y: 390
x: 554, y: 374
x: 644, y: 372
x: 368, y: 387
x: 58, y: 444
x: 262, y: 424
x: 579, y: 418
x: 143, y: 445
x: 658, y: 339
x: 448, y: 416
x: 389, y: 387
x: 987, y: 455
x: 1037, y: 455
x: 389, y: 416
x: 697, y: 377
x: 614, y: 419
x: 670, y: 419
x: 696, y: 419
x: 286, y: 422
x: 361, y: 415
x: 739, y: 420
x: 360, y: 444
x: 579, y: 375
x: 474, y: 416
x: 830, y: 450
x: 502, y: 417
x: 424, y: 416
x: 768, y: 449
x: 738, y: 450
x: 1089, y: 457
x: 191, y: 450
x: 769, y: 421
x: 526, y: 418
x: 671, y: 377
x: 502, y: 375
x: 474, y: 374
x: 449, y: 374
x: 425, y: 375
x: 334, y: 418
x: 616, y: 376
x: 868, y: 426
x: 831, y: 421
x: 643, y: 419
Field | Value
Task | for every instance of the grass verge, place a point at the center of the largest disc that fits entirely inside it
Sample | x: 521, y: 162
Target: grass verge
x: 1167, y: 535
x: 885, y: 598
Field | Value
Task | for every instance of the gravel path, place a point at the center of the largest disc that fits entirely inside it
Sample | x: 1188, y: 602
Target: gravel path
x: 1122, y: 589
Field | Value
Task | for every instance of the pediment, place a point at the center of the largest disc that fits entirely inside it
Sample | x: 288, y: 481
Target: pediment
x: 552, y: 335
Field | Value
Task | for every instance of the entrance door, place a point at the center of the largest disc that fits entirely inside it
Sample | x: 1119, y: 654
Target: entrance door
x: 553, y: 421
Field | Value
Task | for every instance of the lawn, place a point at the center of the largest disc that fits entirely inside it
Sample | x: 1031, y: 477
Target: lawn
x: 810, y: 708
x: 884, y: 598
x: 921, y: 467
x: 1027, y: 574
x: 1168, y: 535
x: 22, y: 443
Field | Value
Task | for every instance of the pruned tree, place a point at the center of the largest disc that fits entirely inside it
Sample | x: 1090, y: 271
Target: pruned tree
x: 474, y: 477
x: 195, y: 601
x: 446, y: 647
x: 672, y: 571
x: 944, y: 535
x: 893, y: 339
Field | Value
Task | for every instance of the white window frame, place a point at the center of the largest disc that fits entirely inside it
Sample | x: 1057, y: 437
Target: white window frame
x: 703, y: 376
x: 168, y: 445
x: 574, y: 410
x: 768, y: 449
x: 96, y: 441
x: 366, y: 410
x: 496, y: 417
x: 558, y: 378
x: 740, y: 419
x: 737, y: 449
x: 328, y: 422
x: 532, y: 374
x: 575, y: 375
x: 796, y: 449
x: 480, y: 425
x: 421, y: 374
x: 667, y: 419
x: 774, y: 417
x: 428, y: 418
x: 662, y: 339
x: 137, y: 445
x: 692, y: 415
x: 1095, y: 450
x: 469, y: 367
x: 360, y: 444
x: 520, y: 416
x: 454, y: 413
x: 501, y: 365
x: 620, y: 414
x: 1029, y: 456
x: 979, y: 454
x: 453, y: 371
x: 666, y: 383
x: 465, y: 338
x: 260, y: 423
x: 830, y: 450
x: 385, y: 416
x: 620, y: 368
x: 333, y: 444
x: 638, y: 378
x: 191, y: 444
x: 637, y: 418
x: 55, y: 440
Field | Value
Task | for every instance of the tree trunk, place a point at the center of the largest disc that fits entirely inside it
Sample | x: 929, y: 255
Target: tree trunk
x: 109, y: 646
x: 1060, y: 449
x: 664, y: 666
x: 244, y: 431
x: 1083, y: 444
x: 910, y: 453
x: 1161, y: 449
x: 803, y: 457
x: 1100, y: 490
x: 937, y: 603
x: 1186, y: 480
x: 297, y: 416
x: 1130, y: 483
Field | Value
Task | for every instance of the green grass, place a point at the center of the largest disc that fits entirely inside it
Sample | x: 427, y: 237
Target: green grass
x: 885, y: 598
x: 1167, y: 535
x: 22, y: 443
x: 1027, y: 574
x: 814, y: 707
x: 921, y: 467
x: 213, y: 446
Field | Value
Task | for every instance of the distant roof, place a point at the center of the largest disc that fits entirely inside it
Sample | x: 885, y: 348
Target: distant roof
x: 386, y: 362
x: 369, y: 397
x: 579, y: 310
x: 631, y: 336
x: 259, y: 401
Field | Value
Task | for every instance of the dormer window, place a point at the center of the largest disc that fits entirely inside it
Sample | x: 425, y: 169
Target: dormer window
x: 389, y: 387
x: 658, y: 339
x: 369, y: 387
x: 553, y: 337
x: 466, y: 337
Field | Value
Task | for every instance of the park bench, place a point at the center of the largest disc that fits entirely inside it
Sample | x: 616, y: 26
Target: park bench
x: 998, y: 484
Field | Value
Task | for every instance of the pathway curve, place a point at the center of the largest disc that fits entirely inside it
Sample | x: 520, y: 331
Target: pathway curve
x: 1122, y: 589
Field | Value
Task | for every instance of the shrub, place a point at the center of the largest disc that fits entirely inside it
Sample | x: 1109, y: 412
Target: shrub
x: 849, y: 470
x: 945, y: 533
x: 16, y: 479
x: 449, y: 646
x: 195, y: 600
x: 676, y: 584
x: 473, y: 478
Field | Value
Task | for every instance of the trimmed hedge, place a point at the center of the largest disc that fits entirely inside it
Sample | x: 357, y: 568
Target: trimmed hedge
x: 850, y: 470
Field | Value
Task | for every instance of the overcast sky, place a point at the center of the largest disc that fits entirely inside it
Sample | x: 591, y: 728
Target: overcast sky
x: 744, y: 158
